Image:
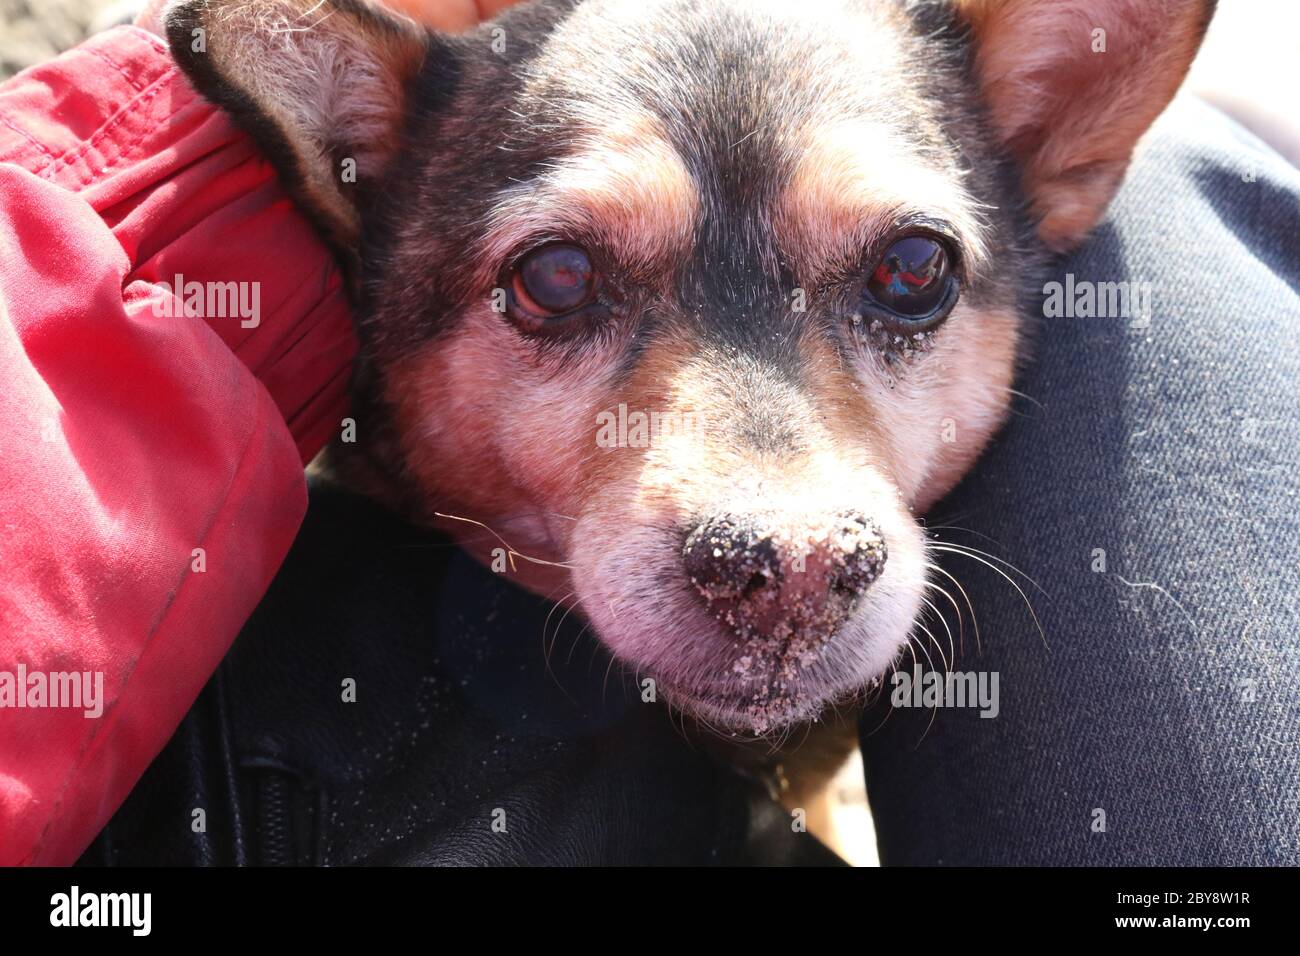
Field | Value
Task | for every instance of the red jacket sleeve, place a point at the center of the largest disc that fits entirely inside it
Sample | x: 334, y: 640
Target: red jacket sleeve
x: 149, y: 484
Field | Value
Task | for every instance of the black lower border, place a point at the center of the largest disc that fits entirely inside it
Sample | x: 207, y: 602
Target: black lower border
x: 333, y: 906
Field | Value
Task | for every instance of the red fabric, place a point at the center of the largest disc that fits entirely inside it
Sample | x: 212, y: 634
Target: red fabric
x: 131, y: 435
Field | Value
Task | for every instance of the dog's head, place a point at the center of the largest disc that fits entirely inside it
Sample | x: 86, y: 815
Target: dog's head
x: 703, y: 301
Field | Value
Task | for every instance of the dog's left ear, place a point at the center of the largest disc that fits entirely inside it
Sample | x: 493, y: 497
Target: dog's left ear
x: 1072, y: 84
x: 321, y: 85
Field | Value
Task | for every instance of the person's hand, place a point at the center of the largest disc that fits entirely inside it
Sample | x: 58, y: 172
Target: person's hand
x: 449, y: 15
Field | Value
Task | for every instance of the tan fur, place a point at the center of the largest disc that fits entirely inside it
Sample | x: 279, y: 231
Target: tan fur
x: 491, y: 439
x: 1072, y: 115
x: 854, y: 180
x: 624, y: 185
x: 934, y: 419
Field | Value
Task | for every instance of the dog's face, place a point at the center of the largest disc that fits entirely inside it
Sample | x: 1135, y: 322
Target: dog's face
x: 702, y: 302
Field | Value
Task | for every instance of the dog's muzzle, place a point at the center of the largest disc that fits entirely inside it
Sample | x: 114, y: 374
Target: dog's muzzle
x: 764, y: 576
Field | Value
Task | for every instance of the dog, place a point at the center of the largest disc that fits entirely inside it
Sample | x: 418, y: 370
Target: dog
x: 690, y: 309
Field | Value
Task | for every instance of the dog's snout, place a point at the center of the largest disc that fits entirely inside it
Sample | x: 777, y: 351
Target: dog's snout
x: 767, y: 577
x: 729, y: 557
x: 859, y: 552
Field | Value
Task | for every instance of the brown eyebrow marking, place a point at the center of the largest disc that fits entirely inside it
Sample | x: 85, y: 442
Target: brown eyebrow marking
x: 626, y: 186
x: 853, y: 181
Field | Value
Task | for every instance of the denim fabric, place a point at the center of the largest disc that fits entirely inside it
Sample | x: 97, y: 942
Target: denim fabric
x: 1167, y: 693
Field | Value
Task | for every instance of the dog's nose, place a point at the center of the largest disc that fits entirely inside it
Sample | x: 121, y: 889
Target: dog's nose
x: 762, y: 577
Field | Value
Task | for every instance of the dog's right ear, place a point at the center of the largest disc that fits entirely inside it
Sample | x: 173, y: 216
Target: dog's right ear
x: 320, y: 84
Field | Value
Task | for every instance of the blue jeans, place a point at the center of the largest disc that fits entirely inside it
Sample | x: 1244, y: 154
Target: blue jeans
x: 1147, y: 481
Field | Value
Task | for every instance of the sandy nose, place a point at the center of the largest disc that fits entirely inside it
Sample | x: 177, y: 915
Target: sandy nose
x: 765, y: 576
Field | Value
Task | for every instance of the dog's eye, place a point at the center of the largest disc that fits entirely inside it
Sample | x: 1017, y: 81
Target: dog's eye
x: 550, y: 283
x: 913, y: 282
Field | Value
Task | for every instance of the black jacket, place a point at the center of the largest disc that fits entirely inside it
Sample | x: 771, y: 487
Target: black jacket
x: 459, y: 746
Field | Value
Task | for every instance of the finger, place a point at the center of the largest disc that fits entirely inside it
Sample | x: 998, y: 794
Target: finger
x: 450, y: 15
x: 150, y: 16
x: 490, y: 8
